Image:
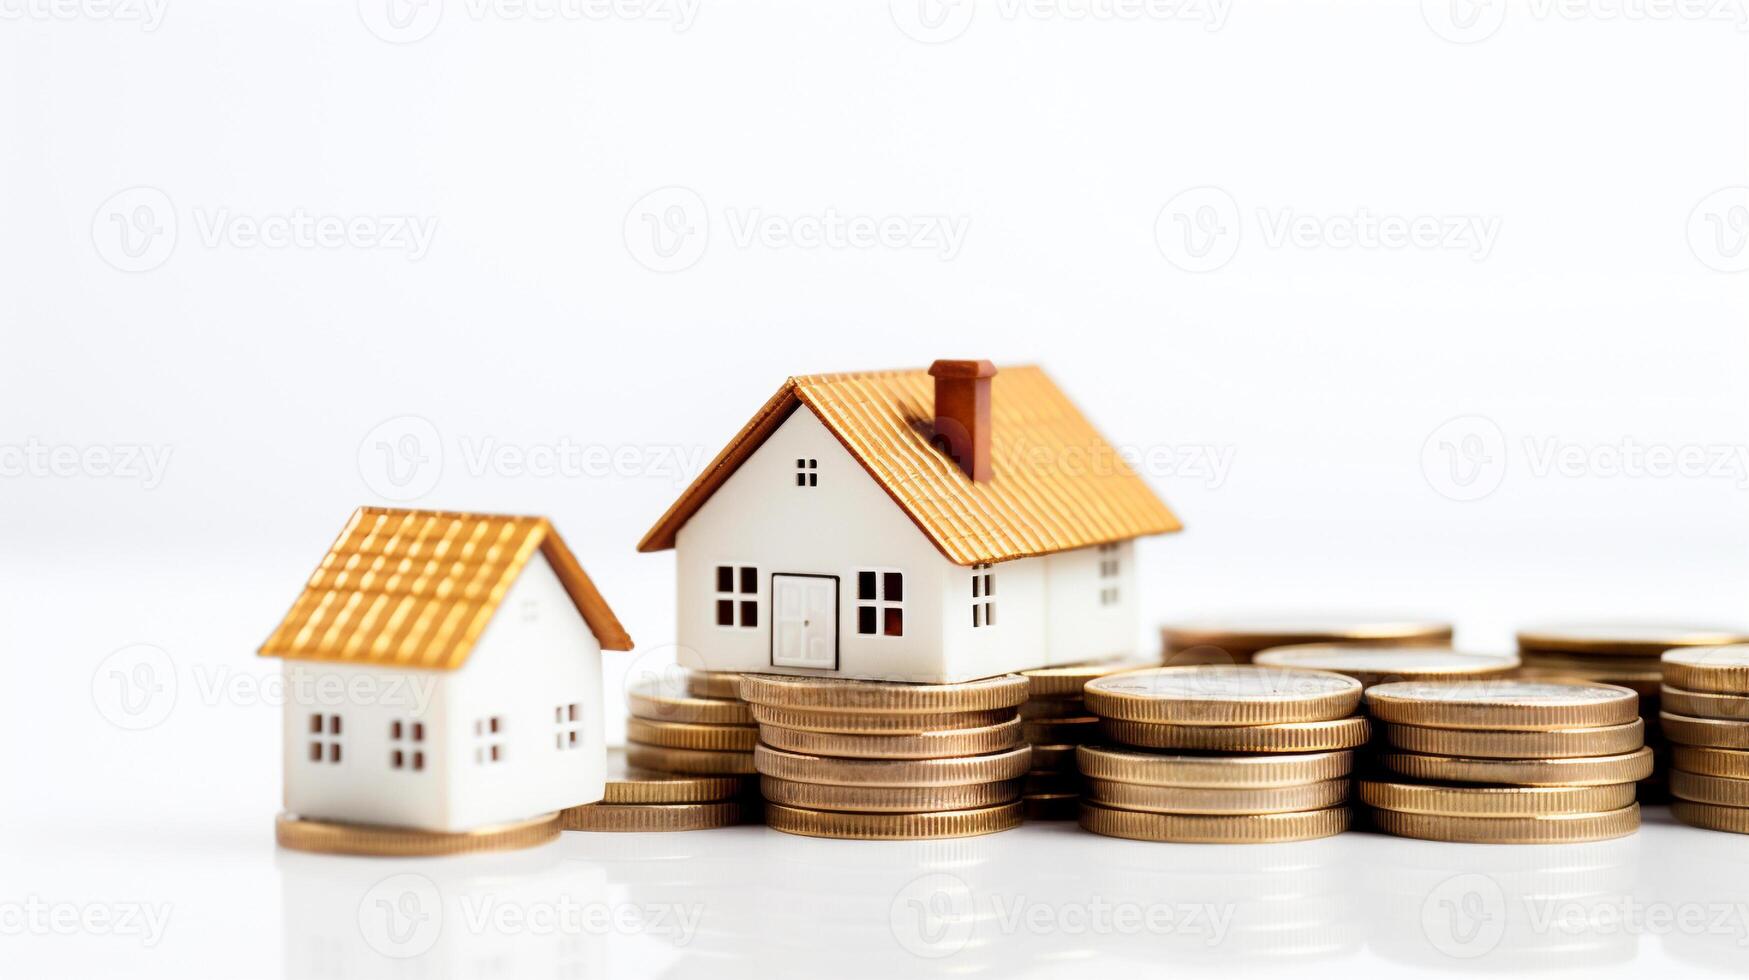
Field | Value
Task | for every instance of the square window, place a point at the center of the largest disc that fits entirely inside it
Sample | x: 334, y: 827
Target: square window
x: 749, y: 614
x: 865, y: 586
x: 725, y: 612
x: 894, y: 584
x: 315, y: 751
x: 725, y: 578
x: 865, y: 620
x: 418, y: 762
x: 333, y: 751
x: 333, y: 724
x: 749, y: 581
x: 895, y: 621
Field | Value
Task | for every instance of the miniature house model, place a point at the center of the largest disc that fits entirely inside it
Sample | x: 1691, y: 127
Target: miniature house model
x: 443, y: 672
x: 930, y: 526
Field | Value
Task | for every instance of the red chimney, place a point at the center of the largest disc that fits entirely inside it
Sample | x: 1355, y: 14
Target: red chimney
x: 962, y: 413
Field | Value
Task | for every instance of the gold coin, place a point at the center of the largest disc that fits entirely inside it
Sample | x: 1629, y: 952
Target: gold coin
x: 1514, y: 705
x: 1061, y: 731
x: 1642, y: 678
x: 628, y: 785
x: 1561, y: 828
x: 1217, y: 695
x: 927, y: 745
x: 330, y: 837
x: 1178, y: 799
x: 1053, y: 758
x: 651, y: 817
x: 1708, y: 816
x: 1701, y: 704
x: 1717, y: 670
x: 713, y: 684
x: 1306, y: 736
x: 1372, y: 664
x: 646, y: 701
x: 1710, y: 762
x: 1234, y: 640
x: 1624, y: 639
x: 692, y: 761
x: 889, y: 799
x: 1047, y: 708
x: 1564, y: 743
x: 1212, y: 771
x: 800, y: 768
x: 892, y: 826
x: 1495, y: 801
x: 1039, y: 782
x: 1051, y: 806
x: 1717, y: 790
x: 838, y: 694
x: 1708, y: 732
x: 680, y: 735
x: 847, y: 723
x: 1630, y: 767
x: 1067, y: 682
x: 1260, y: 828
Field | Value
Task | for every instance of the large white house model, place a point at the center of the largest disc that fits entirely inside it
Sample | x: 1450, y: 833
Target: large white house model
x: 930, y: 526
x: 443, y: 673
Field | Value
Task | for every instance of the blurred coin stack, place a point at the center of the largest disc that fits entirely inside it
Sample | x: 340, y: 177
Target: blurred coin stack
x: 1054, y: 719
x: 1623, y: 655
x: 705, y: 730
x: 1221, y: 754
x: 881, y: 760
x: 1706, y: 719
x: 639, y: 800
x: 1507, y: 761
x: 1373, y: 665
x: 1235, y: 640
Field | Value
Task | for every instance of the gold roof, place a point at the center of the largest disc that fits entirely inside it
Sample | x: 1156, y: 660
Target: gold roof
x: 1056, y: 483
x: 416, y: 588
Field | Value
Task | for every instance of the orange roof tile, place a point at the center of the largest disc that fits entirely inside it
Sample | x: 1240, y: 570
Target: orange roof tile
x: 1056, y: 483
x: 416, y: 588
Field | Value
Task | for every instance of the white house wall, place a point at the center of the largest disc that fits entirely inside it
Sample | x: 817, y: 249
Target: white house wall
x: 1080, y: 628
x: 1018, y: 597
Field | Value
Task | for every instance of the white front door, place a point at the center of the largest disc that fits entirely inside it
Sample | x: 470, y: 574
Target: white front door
x: 804, y: 621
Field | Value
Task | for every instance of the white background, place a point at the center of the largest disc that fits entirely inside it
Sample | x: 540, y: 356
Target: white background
x: 1600, y: 146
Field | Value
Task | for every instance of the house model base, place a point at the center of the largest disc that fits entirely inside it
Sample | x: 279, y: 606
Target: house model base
x: 329, y: 837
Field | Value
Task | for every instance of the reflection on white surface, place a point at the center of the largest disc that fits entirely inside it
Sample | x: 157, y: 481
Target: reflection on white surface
x: 1046, y: 900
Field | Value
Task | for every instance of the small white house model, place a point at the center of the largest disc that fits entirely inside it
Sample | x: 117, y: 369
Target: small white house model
x: 928, y: 526
x: 443, y: 672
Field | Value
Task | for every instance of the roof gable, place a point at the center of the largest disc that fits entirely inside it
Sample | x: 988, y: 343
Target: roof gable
x: 416, y: 588
x: 1056, y: 484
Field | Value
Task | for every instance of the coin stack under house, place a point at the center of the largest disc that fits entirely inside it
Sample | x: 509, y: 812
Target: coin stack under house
x: 639, y: 800
x: 1623, y: 655
x: 1706, y: 718
x: 1054, y: 720
x: 880, y: 760
x: 1221, y: 754
x: 706, y: 731
x: 1236, y: 640
x: 1507, y: 761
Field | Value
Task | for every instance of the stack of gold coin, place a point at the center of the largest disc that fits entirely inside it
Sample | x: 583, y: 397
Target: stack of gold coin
x: 643, y: 800
x: 1378, y: 664
x: 1054, y: 719
x: 1233, y: 754
x: 882, y: 760
x: 1706, y: 718
x: 1624, y: 655
x: 701, y: 732
x: 1507, y: 761
x: 1236, y: 640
